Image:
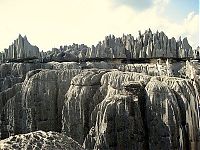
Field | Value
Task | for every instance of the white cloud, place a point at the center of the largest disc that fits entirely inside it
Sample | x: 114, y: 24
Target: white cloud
x: 50, y: 23
x: 160, y: 5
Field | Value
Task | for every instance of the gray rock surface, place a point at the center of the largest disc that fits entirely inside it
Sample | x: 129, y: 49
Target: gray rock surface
x: 148, y: 45
x: 92, y: 105
x: 120, y: 94
x: 40, y: 140
x: 188, y: 105
x: 43, y: 97
x: 163, y: 117
x: 12, y: 73
x: 23, y: 99
x: 21, y: 49
x: 80, y: 101
x: 196, y: 53
x: 118, y: 122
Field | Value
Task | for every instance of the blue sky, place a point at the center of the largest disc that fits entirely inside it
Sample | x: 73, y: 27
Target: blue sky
x: 51, y: 23
x: 139, y: 5
x: 176, y: 10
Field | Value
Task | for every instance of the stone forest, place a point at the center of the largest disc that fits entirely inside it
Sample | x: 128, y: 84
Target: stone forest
x: 137, y: 93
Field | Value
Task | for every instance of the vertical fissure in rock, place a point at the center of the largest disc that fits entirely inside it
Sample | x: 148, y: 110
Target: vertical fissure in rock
x: 88, y: 107
x: 86, y: 117
x: 137, y: 91
x: 142, y: 105
x: 184, y: 126
x: 58, y: 120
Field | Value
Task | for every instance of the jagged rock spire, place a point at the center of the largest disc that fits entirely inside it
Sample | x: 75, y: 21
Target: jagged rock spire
x: 146, y: 46
x: 21, y: 49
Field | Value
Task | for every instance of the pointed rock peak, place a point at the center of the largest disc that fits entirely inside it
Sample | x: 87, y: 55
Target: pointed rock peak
x: 25, y: 37
x: 20, y: 36
x: 150, y: 30
x: 185, y: 38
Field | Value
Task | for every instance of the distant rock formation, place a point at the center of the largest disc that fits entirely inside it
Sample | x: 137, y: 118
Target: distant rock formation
x: 1, y: 57
x: 197, y: 53
x: 146, y: 46
x: 65, y: 53
x: 21, y: 49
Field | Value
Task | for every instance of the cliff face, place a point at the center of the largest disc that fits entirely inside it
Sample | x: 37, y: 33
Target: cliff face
x: 39, y: 102
x: 107, y: 104
x: 103, y: 108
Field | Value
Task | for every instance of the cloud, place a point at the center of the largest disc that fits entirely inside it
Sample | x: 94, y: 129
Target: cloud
x: 51, y: 23
x: 135, y: 4
x: 160, y: 5
x: 191, y: 28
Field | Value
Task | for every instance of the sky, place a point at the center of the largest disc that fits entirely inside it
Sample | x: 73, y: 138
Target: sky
x: 51, y: 23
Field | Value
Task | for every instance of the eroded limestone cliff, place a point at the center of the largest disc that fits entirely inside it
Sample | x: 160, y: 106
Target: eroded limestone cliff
x: 104, y: 104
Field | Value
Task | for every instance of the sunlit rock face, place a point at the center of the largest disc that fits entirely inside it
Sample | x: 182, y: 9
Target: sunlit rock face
x: 21, y: 49
x: 104, y: 108
x: 147, y: 45
x: 81, y: 98
x: 124, y: 93
x: 41, y: 140
x: 118, y: 121
x: 163, y: 117
x: 40, y: 102
x: 23, y: 103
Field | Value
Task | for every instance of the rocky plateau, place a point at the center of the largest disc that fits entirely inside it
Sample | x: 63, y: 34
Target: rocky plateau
x: 124, y: 93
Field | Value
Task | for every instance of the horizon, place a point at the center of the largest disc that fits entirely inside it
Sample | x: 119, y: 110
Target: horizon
x: 65, y: 22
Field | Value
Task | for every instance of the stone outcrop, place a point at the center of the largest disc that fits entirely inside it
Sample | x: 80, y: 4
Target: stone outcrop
x: 163, y: 117
x: 103, y: 108
x: 40, y: 140
x: 124, y: 93
x: 118, y: 122
x: 65, y: 53
x: 21, y: 49
x: 189, y: 109
x: 24, y: 99
x: 196, y: 53
x: 42, y: 99
x: 80, y: 101
x: 9, y: 93
x: 1, y: 57
x: 148, y: 45
x: 10, y: 74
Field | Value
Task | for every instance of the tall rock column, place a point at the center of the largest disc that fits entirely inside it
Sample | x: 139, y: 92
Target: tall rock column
x: 119, y: 121
x: 163, y: 117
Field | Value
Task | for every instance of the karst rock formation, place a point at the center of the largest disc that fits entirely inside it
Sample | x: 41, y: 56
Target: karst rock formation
x: 124, y: 93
